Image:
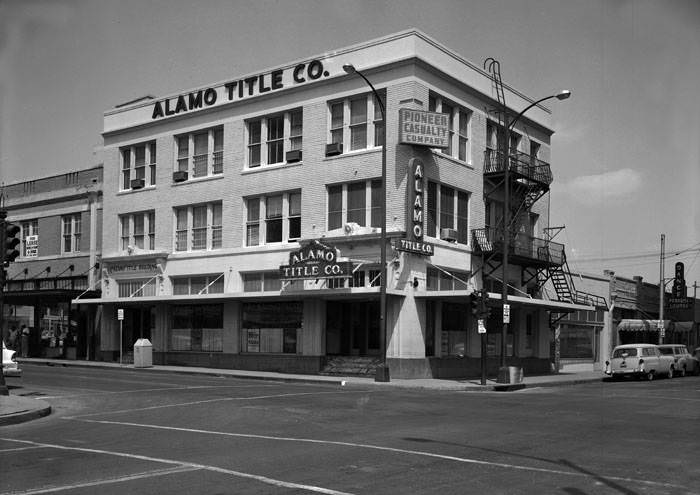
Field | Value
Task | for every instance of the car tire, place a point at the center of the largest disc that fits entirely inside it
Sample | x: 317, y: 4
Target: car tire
x: 650, y: 376
x: 670, y: 372
x: 682, y: 372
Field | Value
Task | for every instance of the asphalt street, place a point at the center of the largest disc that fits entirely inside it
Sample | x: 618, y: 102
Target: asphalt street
x: 126, y: 431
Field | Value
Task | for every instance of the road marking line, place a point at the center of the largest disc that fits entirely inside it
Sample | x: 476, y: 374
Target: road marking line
x: 184, y: 465
x: 173, y: 388
x: 18, y: 449
x: 392, y: 449
x: 106, y: 481
x: 221, y: 399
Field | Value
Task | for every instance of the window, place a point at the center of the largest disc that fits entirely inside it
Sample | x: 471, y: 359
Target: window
x: 30, y: 228
x: 201, y: 153
x: 447, y: 209
x: 282, y: 132
x: 137, y: 287
x: 261, y: 281
x: 459, y: 145
x: 358, y: 202
x: 272, y: 327
x: 138, y: 163
x: 280, y: 215
x: 137, y: 230
x: 350, y: 122
x: 446, y: 279
x: 70, y: 232
x: 198, y: 227
x: 203, y: 284
x: 197, y: 328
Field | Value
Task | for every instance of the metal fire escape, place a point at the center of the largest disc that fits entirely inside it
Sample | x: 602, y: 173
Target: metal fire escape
x: 541, y: 259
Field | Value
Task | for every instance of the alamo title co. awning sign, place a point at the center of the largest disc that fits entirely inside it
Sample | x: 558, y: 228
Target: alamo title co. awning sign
x: 420, y: 128
x: 315, y: 261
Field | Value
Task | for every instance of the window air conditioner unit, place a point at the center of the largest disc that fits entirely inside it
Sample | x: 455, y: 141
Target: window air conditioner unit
x: 137, y: 183
x: 449, y: 235
x: 334, y: 149
x: 180, y: 176
x: 293, y: 156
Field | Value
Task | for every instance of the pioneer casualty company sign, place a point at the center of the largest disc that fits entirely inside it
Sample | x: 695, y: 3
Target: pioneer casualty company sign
x: 315, y: 261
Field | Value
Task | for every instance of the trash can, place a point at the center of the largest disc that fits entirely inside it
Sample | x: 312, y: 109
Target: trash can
x: 515, y: 374
x: 143, y: 354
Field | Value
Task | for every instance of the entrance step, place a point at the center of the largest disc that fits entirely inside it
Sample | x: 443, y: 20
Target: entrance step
x: 351, y: 365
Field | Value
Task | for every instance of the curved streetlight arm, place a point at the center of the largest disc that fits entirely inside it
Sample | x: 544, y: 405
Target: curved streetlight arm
x: 350, y: 69
x: 560, y: 96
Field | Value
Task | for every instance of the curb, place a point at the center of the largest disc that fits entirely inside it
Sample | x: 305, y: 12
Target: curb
x: 35, y: 409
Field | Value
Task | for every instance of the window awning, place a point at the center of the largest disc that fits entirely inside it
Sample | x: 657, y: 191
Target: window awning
x: 643, y: 325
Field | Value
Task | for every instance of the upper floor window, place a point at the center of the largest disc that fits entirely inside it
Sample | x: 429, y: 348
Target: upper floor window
x: 198, y: 227
x: 273, y: 218
x: 197, y: 285
x: 138, y: 166
x: 459, y: 138
x: 269, y: 138
x: 447, y: 208
x: 71, y: 230
x: 30, y: 228
x: 201, y: 153
x: 138, y: 230
x: 358, y: 202
x: 357, y: 122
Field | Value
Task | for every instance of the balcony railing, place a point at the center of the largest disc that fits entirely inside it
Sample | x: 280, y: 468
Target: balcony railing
x: 520, y: 164
x: 46, y: 284
x: 522, y: 248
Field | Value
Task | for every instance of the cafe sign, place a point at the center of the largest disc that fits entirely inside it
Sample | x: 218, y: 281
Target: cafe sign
x: 421, y: 128
x: 315, y: 261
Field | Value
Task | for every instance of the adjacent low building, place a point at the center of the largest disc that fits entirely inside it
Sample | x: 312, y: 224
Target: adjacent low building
x: 60, y: 220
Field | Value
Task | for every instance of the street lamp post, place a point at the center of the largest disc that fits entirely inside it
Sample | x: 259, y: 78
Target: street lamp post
x: 382, y: 374
x: 503, y: 376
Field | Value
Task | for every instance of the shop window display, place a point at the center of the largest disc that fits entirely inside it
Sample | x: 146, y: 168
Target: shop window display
x: 272, y: 328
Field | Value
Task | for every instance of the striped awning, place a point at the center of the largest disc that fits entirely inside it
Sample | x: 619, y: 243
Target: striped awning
x: 643, y: 325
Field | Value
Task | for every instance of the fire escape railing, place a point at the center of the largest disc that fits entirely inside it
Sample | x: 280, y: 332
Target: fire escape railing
x: 490, y: 240
x: 521, y: 164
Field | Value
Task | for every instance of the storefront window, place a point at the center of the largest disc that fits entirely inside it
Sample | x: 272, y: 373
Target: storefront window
x: 272, y: 327
x: 454, y: 329
x: 197, y: 328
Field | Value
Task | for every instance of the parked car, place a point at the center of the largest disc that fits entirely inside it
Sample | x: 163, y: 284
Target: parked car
x: 639, y: 361
x: 696, y: 358
x: 9, y: 363
x: 684, y: 362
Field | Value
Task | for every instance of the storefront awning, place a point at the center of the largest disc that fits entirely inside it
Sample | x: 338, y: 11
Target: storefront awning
x: 557, y: 306
x: 643, y: 325
x: 326, y: 294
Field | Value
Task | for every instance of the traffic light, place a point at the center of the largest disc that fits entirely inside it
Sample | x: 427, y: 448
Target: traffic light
x: 11, y: 242
x: 475, y: 303
x: 484, y: 310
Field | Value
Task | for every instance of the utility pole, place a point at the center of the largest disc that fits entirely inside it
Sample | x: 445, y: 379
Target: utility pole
x: 3, y: 236
x: 662, y: 329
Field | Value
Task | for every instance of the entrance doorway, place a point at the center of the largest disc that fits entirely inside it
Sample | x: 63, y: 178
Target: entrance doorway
x: 352, y: 328
x: 138, y: 323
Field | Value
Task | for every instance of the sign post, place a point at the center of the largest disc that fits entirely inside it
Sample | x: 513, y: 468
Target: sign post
x: 120, y: 317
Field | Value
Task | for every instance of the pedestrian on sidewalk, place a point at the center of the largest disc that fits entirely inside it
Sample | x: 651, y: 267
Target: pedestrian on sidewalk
x: 24, y: 341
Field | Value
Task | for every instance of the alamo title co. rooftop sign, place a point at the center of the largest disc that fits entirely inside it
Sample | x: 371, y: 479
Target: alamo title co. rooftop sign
x: 420, y: 128
x: 239, y: 89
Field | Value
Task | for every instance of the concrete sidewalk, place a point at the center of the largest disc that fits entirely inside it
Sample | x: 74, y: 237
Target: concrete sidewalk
x: 16, y: 409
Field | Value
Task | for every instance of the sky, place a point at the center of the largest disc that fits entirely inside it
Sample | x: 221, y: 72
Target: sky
x: 626, y: 148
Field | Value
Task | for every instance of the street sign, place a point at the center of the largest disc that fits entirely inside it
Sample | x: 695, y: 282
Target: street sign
x: 506, y: 313
x: 120, y: 314
x: 481, y: 326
